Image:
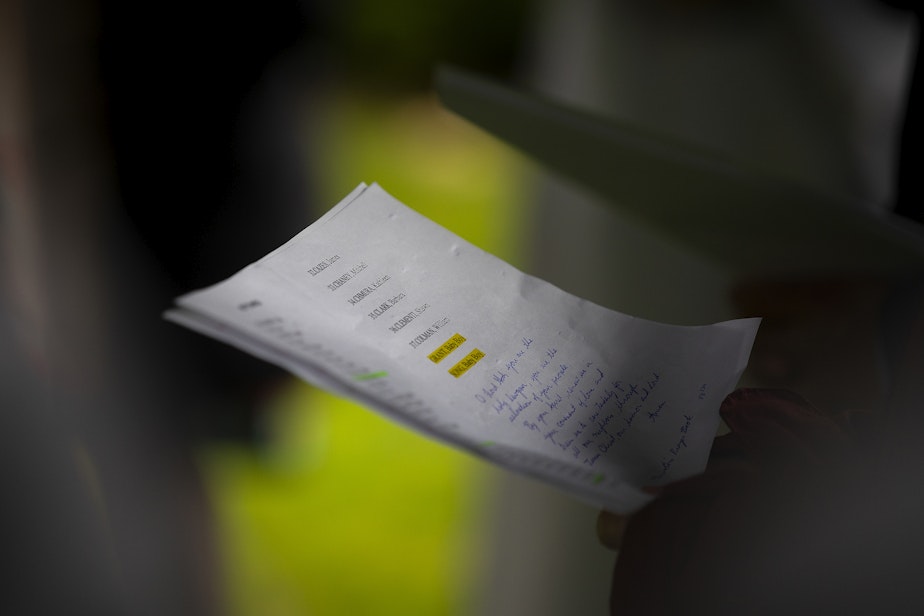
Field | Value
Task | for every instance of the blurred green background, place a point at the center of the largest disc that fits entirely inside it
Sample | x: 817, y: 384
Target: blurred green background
x: 337, y: 510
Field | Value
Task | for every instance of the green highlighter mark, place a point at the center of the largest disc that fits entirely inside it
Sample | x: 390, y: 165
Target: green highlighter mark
x: 598, y: 478
x: 370, y: 376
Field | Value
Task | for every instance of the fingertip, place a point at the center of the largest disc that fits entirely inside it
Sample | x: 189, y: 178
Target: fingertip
x: 610, y: 528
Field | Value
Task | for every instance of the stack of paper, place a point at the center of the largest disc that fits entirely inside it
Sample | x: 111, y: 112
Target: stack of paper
x: 377, y: 303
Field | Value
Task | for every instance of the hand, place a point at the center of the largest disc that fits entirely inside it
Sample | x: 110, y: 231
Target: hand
x: 610, y: 529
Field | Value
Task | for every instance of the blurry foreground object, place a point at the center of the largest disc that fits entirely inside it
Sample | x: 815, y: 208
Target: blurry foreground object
x: 795, y: 514
x: 102, y: 401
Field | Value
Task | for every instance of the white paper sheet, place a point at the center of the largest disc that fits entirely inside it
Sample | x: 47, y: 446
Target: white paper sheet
x: 376, y: 302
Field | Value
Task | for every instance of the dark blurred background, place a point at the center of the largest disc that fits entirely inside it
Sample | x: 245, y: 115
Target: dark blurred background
x: 149, y: 150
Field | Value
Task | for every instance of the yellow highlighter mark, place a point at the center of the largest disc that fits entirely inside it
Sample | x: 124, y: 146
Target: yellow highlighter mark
x: 446, y: 348
x: 467, y: 362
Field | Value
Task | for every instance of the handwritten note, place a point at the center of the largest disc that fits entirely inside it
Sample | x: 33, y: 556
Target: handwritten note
x: 375, y: 302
